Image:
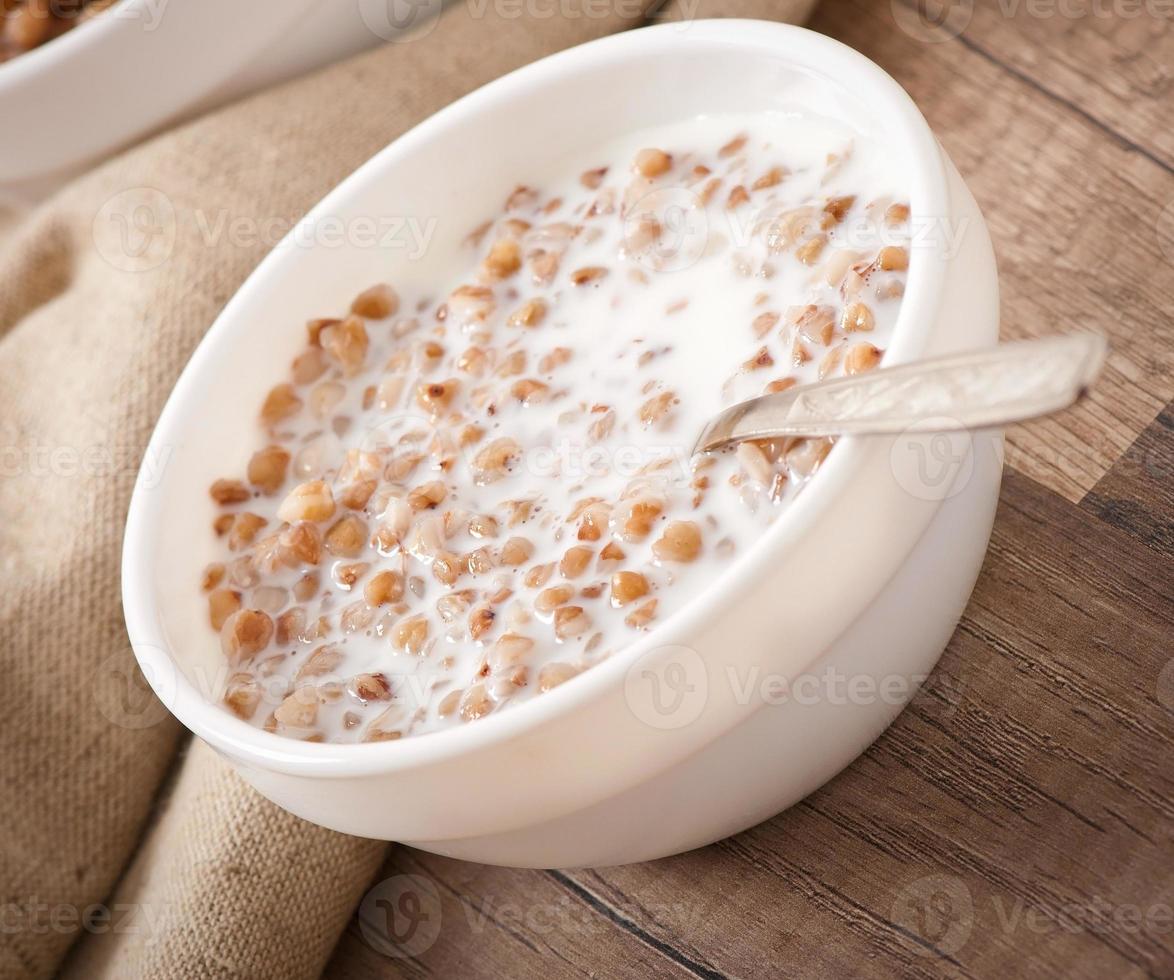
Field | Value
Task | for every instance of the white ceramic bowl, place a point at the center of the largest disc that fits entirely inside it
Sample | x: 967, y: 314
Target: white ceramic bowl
x: 659, y: 749
x: 144, y: 63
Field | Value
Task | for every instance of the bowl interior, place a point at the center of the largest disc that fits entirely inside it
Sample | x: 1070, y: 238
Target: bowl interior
x: 435, y: 184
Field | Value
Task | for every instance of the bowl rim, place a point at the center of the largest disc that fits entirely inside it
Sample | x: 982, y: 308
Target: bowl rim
x: 929, y: 195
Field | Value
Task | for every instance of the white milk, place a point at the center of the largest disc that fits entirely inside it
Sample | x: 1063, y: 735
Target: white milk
x: 687, y: 304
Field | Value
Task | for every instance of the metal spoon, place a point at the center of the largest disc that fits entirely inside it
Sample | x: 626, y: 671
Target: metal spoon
x: 976, y: 390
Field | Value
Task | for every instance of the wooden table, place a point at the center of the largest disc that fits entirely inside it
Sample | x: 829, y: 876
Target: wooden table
x: 1016, y: 820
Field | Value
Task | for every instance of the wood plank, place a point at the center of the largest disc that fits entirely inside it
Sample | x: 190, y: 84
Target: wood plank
x: 1137, y: 494
x: 1013, y: 821
x: 1073, y: 214
x: 498, y: 922
x: 1113, y: 61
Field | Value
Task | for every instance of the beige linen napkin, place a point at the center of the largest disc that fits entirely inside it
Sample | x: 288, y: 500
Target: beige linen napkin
x: 117, y: 853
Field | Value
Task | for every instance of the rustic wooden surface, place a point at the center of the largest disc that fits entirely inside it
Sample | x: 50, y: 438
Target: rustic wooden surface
x: 1016, y: 820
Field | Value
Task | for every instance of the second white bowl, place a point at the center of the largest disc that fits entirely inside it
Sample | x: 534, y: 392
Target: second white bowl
x: 144, y: 63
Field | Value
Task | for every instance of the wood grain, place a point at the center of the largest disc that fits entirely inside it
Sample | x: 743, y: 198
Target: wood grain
x: 495, y: 922
x: 1110, y: 61
x: 1074, y: 215
x: 1137, y: 494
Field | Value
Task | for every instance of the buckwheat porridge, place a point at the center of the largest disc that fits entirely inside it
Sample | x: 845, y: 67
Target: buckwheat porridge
x: 465, y: 493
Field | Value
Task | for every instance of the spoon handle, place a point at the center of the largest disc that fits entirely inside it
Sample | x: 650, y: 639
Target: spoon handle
x: 975, y: 390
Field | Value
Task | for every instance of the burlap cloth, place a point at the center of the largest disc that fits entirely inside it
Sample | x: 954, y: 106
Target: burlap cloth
x: 127, y: 852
